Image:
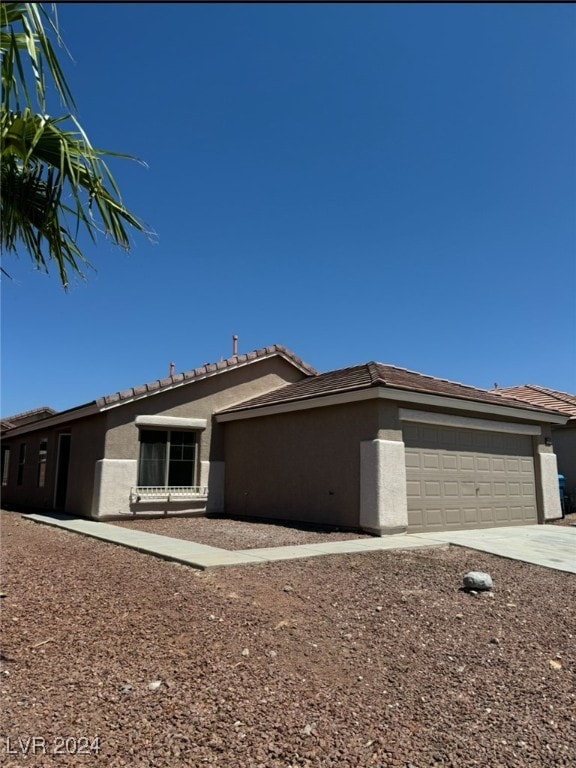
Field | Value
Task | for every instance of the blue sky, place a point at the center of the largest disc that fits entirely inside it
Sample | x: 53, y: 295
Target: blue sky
x: 356, y: 182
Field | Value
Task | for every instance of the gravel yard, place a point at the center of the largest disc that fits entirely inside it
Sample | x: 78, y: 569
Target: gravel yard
x: 233, y: 534
x: 373, y: 660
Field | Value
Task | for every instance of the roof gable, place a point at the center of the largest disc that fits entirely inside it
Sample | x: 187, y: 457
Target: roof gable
x: 210, y: 369
x: 160, y: 385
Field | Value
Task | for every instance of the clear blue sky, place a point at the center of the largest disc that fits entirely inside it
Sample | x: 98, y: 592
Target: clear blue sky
x: 356, y: 182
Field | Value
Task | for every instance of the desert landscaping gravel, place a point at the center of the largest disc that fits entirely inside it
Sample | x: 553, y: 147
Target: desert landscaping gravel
x: 114, y: 658
x: 233, y: 534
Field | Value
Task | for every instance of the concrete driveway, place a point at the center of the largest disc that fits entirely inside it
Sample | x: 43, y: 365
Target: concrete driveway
x: 552, y: 546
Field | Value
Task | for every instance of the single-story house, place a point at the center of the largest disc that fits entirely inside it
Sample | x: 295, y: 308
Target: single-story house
x: 371, y: 447
x: 563, y: 435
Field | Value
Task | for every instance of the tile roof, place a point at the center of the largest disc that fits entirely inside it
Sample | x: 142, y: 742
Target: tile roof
x: 27, y: 417
x: 540, y: 396
x: 210, y: 369
x: 377, y: 375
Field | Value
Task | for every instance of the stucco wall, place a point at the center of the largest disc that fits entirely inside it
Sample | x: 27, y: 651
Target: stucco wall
x: 564, y: 440
x: 86, y: 447
x: 301, y: 466
x: 29, y: 494
x: 198, y: 399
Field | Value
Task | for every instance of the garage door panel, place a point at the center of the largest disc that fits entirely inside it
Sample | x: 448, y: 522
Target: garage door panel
x: 413, y: 489
x: 466, y: 463
x: 416, y: 519
x: 453, y: 516
x: 516, y: 513
x: 432, y: 488
x: 451, y: 488
x: 470, y: 515
x: 412, y: 459
x: 449, y: 463
x: 460, y: 478
x: 433, y: 517
x: 482, y: 464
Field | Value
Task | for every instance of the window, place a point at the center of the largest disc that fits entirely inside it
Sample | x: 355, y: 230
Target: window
x: 167, y: 458
x: 21, y: 463
x: 42, y: 457
x: 5, y: 464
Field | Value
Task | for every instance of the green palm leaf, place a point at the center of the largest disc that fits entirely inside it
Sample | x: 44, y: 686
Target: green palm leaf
x: 53, y: 182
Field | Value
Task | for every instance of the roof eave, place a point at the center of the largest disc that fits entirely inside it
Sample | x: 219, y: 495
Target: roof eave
x: 59, y: 419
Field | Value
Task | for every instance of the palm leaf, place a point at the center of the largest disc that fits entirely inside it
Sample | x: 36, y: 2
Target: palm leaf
x: 41, y: 163
x: 53, y: 180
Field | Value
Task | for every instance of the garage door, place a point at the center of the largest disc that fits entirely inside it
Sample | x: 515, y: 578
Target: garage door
x: 466, y: 478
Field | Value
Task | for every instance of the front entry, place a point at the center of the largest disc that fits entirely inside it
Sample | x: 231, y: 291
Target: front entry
x: 62, y: 472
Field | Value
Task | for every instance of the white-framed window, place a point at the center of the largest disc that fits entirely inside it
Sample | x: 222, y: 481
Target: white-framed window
x: 167, y: 458
x: 5, y: 464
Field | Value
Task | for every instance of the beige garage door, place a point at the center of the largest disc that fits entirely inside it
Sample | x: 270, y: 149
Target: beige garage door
x: 466, y: 478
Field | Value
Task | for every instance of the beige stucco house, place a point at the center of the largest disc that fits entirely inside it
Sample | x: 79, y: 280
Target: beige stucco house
x: 153, y: 449
x: 371, y: 447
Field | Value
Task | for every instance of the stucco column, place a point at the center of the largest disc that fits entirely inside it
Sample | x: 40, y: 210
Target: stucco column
x: 383, y: 500
x: 113, y: 479
x: 549, y: 484
x: 212, y: 476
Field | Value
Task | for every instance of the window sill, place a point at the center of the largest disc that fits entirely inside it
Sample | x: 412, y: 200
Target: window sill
x: 168, y: 493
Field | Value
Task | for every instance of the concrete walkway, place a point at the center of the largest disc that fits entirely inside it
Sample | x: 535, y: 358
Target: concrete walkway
x: 551, y: 546
x: 548, y: 546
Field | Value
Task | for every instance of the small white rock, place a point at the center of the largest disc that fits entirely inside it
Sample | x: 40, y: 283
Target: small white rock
x: 153, y: 686
x: 478, y: 580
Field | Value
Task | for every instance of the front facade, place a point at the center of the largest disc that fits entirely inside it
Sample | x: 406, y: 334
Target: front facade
x: 150, y: 450
x: 372, y: 447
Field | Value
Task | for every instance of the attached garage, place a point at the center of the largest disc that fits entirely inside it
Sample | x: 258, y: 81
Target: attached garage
x: 465, y: 478
x: 387, y: 450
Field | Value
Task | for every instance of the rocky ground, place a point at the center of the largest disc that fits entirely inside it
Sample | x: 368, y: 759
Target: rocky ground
x: 239, y: 533
x: 371, y: 660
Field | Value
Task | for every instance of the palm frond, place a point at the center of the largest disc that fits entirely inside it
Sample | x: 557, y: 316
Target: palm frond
x: 53, y: 181
x: 43, y: 165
